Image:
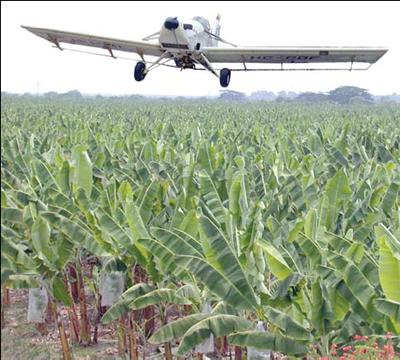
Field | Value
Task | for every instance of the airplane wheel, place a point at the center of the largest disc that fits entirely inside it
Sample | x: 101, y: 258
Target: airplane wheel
x: 225, y: 77
x: 140, y: 71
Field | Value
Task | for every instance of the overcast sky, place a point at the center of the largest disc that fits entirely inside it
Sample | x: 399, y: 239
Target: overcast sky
x: 29, y: 63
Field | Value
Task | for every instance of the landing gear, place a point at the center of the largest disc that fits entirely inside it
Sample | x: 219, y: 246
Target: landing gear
x: 224, y: 77
x: 185, y: 62
x: 140, y: 69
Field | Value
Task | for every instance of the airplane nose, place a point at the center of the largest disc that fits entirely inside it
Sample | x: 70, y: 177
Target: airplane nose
x: 171, y: 23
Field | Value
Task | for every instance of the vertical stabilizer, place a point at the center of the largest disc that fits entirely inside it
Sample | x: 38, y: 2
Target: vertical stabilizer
x: 216, y: 29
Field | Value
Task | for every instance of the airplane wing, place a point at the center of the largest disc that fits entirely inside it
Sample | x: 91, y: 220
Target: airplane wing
x: 57, y: 37
x: 301, y: 55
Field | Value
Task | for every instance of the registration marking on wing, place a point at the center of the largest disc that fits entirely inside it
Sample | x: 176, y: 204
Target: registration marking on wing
x: 287, y: 59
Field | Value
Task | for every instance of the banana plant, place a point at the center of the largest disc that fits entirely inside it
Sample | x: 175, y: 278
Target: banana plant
x: 42, y: 266
x: 140, y: 296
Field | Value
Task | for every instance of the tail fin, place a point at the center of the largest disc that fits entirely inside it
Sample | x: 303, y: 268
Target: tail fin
x: 216, y: 29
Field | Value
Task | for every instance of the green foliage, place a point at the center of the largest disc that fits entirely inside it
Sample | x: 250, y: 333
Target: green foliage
x: 289, y: 214
x: 267, y: 341
x: 345, y: 94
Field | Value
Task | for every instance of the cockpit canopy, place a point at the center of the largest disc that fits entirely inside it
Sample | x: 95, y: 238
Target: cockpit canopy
x: 203, y: 21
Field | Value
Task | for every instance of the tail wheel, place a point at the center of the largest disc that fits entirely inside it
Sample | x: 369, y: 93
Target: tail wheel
x: 140, y: 69
x: 225, y: 77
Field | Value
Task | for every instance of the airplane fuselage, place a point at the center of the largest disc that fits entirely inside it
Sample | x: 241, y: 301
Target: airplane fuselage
x: 184, y: 39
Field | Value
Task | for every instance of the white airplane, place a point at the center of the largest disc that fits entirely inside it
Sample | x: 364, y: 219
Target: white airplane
x: 193, y: 44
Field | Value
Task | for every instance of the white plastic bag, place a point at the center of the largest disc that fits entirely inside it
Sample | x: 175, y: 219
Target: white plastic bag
x: 37, y: 304
x: 208, y: 345
x: 112, y: 285
x: 255, y: 354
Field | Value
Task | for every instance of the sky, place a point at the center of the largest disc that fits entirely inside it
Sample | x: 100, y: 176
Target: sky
x: 31, y: 64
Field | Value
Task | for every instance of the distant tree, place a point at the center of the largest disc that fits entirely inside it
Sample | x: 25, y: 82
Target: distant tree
x: 263, y: 95
x: 292, y: 94
x: 73, y: 94
x: 393, y: 98
x: 356, y: 100
x: 312, y: 97
x: 230, y: 95
x: 283, y: 99
x: 344, y: 94
x: 50, y: 94
x: 136, y: 97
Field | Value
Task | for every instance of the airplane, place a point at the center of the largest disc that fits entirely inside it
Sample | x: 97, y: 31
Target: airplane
x: 193, y: 44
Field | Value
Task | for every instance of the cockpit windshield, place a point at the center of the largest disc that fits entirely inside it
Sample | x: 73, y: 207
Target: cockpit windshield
x: 203, y: 21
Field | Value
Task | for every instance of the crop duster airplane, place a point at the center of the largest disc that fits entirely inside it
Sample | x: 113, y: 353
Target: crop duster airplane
x: 193, y: 44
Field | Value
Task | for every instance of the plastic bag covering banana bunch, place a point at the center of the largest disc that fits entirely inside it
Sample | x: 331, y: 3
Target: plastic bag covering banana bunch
x: 112, y: 285
x: 206, y: 346
x: 254, y: 354
x: 37, y: 304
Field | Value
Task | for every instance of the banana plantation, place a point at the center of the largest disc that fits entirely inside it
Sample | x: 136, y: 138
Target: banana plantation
x: 204, y: 229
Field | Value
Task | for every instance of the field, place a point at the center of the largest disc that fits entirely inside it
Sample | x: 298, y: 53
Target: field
x: 180, y: 229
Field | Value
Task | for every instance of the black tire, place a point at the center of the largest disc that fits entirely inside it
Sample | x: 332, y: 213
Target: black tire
x: 225, y: 77
x: 139, y: 71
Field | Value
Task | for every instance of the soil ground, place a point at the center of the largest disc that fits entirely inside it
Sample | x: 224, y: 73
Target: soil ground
x: 21, y: 340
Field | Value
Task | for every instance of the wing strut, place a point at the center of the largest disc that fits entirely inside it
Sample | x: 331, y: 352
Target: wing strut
x: 244, y: 63
x: 111, y: 52
x: 55, y: 42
